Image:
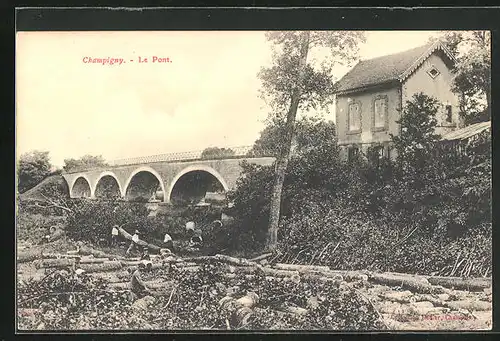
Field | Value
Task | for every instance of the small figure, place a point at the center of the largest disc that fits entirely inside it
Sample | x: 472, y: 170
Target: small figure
x: 190, y: 225
x: 134, y: 244
x: 145, y: 254
x: 137, y: 285
x: 79, y: 271
x: 114, y: 235
x: 196, y: 241
x: 168, y: 242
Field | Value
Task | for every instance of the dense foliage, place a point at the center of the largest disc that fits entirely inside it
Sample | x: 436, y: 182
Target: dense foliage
x: 85, y: 162
x: 427, y: 211
x: 216, y: 153
x: 32, y: 168
x: 472, y: 72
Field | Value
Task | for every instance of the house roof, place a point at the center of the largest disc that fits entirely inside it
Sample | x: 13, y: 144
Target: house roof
x: 390, y: 68
x: 467, y: 132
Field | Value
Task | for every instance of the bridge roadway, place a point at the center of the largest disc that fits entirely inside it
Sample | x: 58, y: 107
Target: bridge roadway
x: 129, y: 181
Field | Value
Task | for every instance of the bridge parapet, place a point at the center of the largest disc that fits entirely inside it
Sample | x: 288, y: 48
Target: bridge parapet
x: 234, y: 153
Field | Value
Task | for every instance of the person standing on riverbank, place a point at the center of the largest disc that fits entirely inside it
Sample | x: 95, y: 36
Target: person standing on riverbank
x: 134, y: 245
x: 114, y: 235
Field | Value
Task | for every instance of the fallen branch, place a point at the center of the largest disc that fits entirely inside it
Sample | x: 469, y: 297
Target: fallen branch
x: 324, y: 249
x: 261, y: 257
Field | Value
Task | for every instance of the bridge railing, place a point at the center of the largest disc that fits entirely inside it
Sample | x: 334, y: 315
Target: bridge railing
x: 229, y: 153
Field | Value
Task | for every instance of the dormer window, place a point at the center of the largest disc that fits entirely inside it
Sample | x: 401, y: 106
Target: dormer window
x: 433, y: 72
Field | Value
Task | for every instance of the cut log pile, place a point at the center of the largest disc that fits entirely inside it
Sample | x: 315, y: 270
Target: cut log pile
x: 391, y: 294
x: 96, y: 261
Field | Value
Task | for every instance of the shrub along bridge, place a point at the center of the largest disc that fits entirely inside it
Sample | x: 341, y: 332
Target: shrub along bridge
x: 174, y: 177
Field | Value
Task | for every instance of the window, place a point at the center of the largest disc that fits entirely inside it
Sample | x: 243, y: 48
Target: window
x: 448, y: 114
x: 433, y: 72
x: 380, y: 112
x: 352, y: 153
x: 354, y: 117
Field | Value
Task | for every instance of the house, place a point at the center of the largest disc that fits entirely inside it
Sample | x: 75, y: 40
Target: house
x: 369, y: 98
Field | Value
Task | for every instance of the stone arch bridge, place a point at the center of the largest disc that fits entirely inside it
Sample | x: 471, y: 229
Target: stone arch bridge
x: 166, y: 178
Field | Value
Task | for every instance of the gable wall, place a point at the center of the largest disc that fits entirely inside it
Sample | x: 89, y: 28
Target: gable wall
x: 438, y: 87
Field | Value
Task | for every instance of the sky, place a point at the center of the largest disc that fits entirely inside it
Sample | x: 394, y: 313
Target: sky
x: 207, y: 95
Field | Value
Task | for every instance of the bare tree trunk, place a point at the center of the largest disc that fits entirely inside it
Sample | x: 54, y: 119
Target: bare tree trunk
x: 284, y: 155
x: 488, y: 100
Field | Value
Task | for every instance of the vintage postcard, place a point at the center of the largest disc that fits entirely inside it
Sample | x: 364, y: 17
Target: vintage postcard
x: 253, y: 180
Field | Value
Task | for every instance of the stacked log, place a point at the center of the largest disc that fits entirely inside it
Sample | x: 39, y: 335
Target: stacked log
x: 302, y: 268
x: 93, y: 260
x: 28, y: 256
x: 239, y: 310
x: 88, y: 251
x: 58, y: 255
x: 56, y: 263
x: 469, y: 284
x: 106, y: 266
x: 418, y: 285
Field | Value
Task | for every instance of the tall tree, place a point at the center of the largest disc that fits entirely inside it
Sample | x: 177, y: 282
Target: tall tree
x: 472, y: 74
x: 294, y: 83
x: 32, y: 168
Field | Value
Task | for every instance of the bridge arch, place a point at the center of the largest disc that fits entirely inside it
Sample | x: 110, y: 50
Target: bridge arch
x: 129, y: 184
x: 195, y: 168
x: 112, y: 188
x: 80, y: 187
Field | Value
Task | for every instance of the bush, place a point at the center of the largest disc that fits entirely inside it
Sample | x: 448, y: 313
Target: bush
x: 92, y: 220
x: 347, y: 240
x: 32, y: 168
x: 34, y: 226
x: 251, y: 206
